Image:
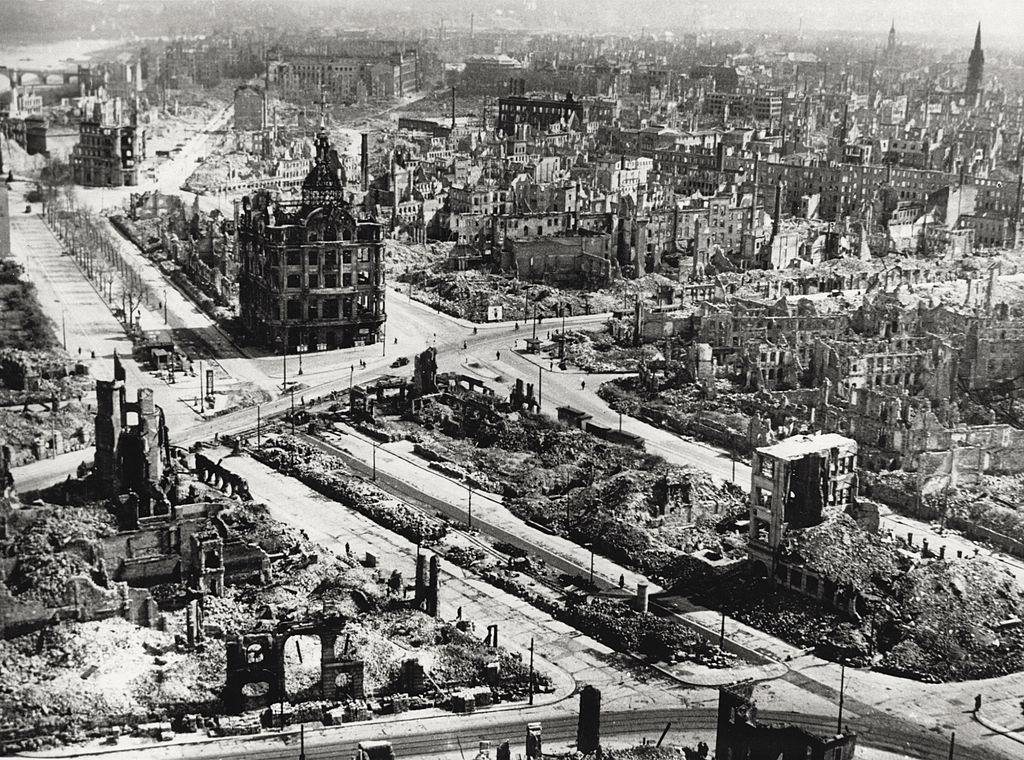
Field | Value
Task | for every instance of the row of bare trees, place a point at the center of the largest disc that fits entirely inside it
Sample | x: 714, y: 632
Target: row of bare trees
x: 88, y: 237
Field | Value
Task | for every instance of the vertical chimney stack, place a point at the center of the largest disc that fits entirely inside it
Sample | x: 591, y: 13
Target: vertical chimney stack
x: 364, y: 161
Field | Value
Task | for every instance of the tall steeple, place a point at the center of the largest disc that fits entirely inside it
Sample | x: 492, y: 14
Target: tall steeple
x: 975, y: 69
x: 890, y: 48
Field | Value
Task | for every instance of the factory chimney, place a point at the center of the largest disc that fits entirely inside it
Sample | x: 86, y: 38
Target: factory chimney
x: 364, y: 162
x: 777, y: 219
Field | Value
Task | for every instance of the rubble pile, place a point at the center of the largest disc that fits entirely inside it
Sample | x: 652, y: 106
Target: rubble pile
x: 401, y: 257
x: 959, y: 620
x: 468, y: 295
x: 654, y: 637
x: 912, y: 615
x: 837, y: 549
x: 329, y: 476
x: 38, y: 567
x: 801, y: 621
x: 79, y: 676
x: 591, y: 491
x: 597, y: 351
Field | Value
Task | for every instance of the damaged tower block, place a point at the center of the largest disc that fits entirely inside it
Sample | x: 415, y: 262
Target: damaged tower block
x: 132, y: 443
x: 533, y: 743
x: 588, y: 729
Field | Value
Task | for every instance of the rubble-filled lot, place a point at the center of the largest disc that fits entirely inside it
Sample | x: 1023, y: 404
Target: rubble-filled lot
x: 613, y: 622
x: 430, y: 278
x: 923, y: 617
x: 75, y: 680
x: 598, y: 351
x: 633, y: 506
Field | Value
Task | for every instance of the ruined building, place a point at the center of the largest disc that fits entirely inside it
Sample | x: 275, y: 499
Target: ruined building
x: 110, y: 146
x: 312, y: 272
x: 740, y: 736
x: 132, y: 444
x: 793, y: 482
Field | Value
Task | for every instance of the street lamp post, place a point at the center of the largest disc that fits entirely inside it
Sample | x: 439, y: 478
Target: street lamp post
x: 590, y: 545
x: 375, y: 445
x: 540, y: 386
x: 469, y: 512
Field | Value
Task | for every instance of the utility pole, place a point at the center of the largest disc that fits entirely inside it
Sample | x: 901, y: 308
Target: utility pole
x: 531, y: 670
x: 202, y: 404
x: 469, y: 512
x: 721, y: 634
x: 292, y: 415
x: 952, y: 744
x: 842, y: 688
x: 258, y: 420
x: 591, y: 545
x: 284, y: 363
x: 302, y: 741
x: 374, y: 444
x: 540, y: 386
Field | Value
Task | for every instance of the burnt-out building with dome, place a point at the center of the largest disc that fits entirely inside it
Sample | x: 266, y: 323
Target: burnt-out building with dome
x: 311, y: 271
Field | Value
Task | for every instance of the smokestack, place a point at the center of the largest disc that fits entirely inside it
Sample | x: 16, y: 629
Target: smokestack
x: 776, y: 221
x: 453, y: 109
x: 364, y: 161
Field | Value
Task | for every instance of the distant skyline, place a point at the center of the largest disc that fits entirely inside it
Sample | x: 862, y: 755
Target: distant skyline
x: 949, y: 22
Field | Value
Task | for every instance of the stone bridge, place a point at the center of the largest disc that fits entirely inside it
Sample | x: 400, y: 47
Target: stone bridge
x: 15, y: 77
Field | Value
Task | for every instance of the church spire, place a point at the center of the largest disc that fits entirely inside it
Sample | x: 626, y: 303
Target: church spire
x: 975, y: 70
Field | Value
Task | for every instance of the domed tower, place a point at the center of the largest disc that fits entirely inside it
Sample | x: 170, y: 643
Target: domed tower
x: 324, y: 185
x: 975, y: 68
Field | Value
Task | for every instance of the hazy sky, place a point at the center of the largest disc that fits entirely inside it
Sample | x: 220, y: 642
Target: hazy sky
x: 1002, y: 20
